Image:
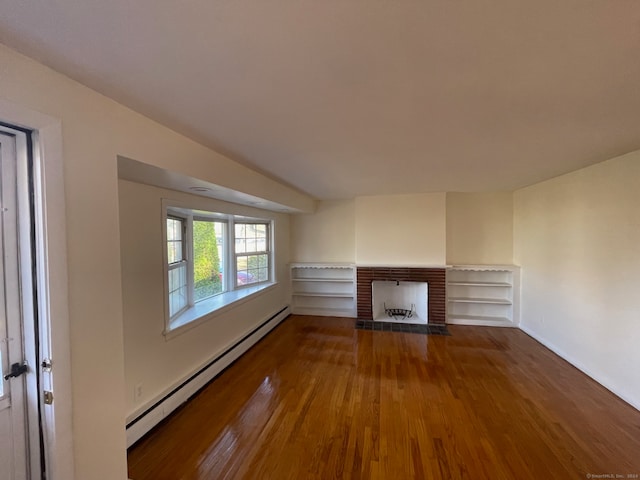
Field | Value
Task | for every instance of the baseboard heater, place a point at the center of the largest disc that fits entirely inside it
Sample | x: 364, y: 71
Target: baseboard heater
x: 163, y: 407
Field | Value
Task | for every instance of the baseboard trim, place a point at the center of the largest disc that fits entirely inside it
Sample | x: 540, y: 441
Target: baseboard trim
x: 164, y: 406
x: 579, y: 366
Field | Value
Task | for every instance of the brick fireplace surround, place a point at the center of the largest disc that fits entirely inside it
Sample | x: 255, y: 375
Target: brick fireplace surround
x: 435, y: 278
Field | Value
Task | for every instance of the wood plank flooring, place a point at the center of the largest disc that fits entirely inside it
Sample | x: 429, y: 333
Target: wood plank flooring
x: 317, y: 399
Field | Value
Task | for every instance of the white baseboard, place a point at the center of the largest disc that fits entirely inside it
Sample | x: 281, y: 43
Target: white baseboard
x: 162, y: 407
x: 579, y: 366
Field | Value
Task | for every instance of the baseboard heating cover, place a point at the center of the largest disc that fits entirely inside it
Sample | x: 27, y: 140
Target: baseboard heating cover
x: 164, y: 406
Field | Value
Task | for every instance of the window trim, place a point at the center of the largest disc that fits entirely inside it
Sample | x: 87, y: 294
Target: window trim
x: 196, y: 313
x: 268, y: 251
x: 178, y: 264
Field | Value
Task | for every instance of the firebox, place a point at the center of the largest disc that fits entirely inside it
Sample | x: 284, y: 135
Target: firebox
x: 434, y: 278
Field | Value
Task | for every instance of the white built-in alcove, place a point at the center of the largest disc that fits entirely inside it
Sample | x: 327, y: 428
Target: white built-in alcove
x: 400, y: 295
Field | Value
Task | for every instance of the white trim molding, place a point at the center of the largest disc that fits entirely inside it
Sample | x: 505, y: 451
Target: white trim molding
x: 53, y: 307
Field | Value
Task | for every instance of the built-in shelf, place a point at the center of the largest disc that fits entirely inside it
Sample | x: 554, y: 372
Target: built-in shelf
x: 323, y: 289
x: 338, y: 280
x: 481, y: 318
x: 497, y: 301
x: 480, y: 321
x: 329, y: 294
x: 483, y: 295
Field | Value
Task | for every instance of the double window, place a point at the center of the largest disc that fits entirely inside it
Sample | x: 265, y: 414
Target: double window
x: 212, y: 260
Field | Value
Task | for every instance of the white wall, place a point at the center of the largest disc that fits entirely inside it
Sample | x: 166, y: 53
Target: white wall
x: 160, y: 364
x: 480, y: 228
x: 95, y: 130
x: 577, y: 238
x: 403, y: 230
x: 375, y: 230
x: 328, y: 235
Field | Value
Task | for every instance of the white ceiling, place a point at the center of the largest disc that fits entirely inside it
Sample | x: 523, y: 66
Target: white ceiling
x: 341, y: 98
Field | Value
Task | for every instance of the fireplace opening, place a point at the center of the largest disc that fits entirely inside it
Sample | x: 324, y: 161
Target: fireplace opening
x: 398, y: 301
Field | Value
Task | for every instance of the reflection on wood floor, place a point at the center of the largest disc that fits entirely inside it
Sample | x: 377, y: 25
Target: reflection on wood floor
x: 318, y: 399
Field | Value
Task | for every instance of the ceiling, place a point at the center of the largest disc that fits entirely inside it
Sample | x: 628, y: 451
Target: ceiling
x: 342, y: 98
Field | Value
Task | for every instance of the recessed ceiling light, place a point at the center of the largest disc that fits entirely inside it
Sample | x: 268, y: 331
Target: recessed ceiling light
x: 199, y: 189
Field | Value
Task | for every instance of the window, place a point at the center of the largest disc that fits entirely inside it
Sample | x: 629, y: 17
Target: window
x: 208, y: 258
x: 213, y: 260
x: 177, y: 265
x: 252, y: 253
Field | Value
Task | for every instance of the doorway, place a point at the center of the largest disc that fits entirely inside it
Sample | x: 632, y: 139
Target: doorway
x: 21, y: 438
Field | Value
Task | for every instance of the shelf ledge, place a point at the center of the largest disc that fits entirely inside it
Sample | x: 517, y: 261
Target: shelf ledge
x: 327, y: 295
x: 316, y: 279
x: 495, y: 301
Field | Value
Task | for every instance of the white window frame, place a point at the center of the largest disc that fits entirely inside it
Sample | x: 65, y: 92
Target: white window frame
x: 267, y: 251
x: 181, y: 263
x: 233, y: 294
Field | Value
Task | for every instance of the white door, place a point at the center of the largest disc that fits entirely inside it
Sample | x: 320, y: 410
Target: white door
x: 13, y: 436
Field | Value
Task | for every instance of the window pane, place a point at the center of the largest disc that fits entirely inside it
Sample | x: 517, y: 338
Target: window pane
x: 177, y: 276
x: 172, y: 252
x: 241, y: 270
x: 252, y: 269
x: 177, y: 288
x: 221, y: 241
x: 174, y: 240
x: 251, y: 237
x: 174, y: 229
x: 173, y: 304
x: 177, y: 300
x: 262, y: 263
x: 174, y: 279
x: 240, y: 245
x: 170, y: 229
x: 207, y: 276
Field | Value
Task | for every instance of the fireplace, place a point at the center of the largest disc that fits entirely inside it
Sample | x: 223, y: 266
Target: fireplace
x: 433, y: 277
x: 404, y: 302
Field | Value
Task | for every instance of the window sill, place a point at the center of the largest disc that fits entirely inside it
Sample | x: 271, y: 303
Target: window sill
x: 212, y: 307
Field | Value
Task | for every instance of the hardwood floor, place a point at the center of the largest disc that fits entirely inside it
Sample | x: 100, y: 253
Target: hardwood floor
x: 318, y: 399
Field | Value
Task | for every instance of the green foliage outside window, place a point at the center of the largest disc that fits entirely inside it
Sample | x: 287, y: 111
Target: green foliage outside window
x: 206, y: 260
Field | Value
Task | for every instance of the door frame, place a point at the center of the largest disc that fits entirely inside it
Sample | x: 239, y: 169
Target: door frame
x: 50, y: 276
x: 17, y: 305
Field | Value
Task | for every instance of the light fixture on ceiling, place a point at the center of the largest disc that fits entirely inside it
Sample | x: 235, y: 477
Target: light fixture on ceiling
x: 199, y: 189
